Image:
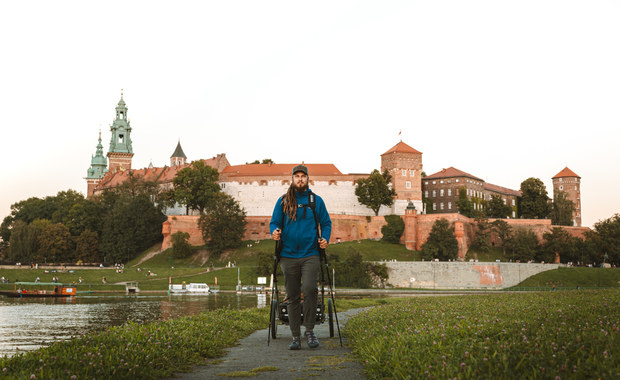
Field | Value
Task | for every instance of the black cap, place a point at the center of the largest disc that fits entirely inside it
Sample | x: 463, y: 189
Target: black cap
x: 300, y: 168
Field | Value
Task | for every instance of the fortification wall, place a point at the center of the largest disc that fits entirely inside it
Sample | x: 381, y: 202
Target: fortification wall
x: 358, y: 227
x: 258, y: 199
x: 461, y: 275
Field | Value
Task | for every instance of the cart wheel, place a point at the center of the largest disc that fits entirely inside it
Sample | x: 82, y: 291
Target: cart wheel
x: 274, y: 318
x: 330, y: 314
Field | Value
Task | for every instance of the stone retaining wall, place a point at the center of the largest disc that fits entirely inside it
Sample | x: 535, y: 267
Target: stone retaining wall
x: 461, y: 275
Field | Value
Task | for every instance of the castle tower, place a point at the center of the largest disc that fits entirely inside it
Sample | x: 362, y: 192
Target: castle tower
x: 570, y: 183
x: 405, y: 165
x: 120, y: 152
x: 98, y: 168
x: 410, y: 234
x: 178, y: 158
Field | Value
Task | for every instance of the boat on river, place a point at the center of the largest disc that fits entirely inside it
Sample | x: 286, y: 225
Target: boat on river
x: 40, y: 289
x: 194, y: 288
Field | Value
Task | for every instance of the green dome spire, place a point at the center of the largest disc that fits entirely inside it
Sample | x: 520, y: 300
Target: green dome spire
x: 98, y: 163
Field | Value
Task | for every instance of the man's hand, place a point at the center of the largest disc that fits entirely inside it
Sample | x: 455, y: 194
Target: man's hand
x: 322, y: 243
x: 276, y: 234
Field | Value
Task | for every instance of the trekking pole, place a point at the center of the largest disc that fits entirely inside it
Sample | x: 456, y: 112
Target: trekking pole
x: 273, y: 312
x: 331, y: 291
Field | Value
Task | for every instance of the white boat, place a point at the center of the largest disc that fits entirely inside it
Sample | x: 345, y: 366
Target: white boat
x: 191, y: 288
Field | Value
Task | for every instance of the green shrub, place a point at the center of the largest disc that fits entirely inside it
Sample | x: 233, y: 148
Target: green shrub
x: 180, y: 247
x: 394, y: 229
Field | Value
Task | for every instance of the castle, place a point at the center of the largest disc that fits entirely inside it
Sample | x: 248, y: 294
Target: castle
x: 257, y: 186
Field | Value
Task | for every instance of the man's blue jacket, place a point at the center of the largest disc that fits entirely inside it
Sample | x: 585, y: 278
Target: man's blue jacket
x: 299, y: 236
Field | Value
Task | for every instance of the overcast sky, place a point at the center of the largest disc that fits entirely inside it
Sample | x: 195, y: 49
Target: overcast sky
x: 504, y: 90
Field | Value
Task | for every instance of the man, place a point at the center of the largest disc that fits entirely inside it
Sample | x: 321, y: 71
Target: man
x: 293, y: 221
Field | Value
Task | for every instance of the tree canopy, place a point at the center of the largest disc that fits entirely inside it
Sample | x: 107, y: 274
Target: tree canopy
x: 441, y: 242
x: 195, y: 186
x: 562, y: 211
x: 223, y: 223
x: 497, y: 208
x: 375, y: 191
x: 464, y: 205
x: 393, y: 230
x: 534, y: 202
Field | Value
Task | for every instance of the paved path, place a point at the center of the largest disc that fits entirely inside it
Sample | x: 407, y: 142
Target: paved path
x: 328, y: 361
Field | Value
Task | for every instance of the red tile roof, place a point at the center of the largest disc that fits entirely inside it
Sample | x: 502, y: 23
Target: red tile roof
x: 278, y: 170
x: 451, y: 172
x: 566, y: 172
x: 501, y: 190
x: 401, y: 147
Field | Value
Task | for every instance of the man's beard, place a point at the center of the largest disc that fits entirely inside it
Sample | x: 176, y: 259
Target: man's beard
x: 301, y: 188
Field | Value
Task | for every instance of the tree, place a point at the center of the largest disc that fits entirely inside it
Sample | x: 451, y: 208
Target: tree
x: 464, y: 205
x: 133, y: 225
x: 375, y: 191
x: 503, y: 231
x: 394, y: 229
x: 378, y: 274
x: 351, y: 271
x: 87, y: 215
x: 55, y: 244
x: 605, y: 240
x: 497, y: 208
x: 87, y: 247
x: 482, y: 237
x: 223, y: 223
x: 180, y: 247
x: 24, y: 244
x: 534, y: 202
x: 195, y: 186
x: 562, y: 211
x: 441, y: 242
x: 523, y: 246
x: 560, y: 242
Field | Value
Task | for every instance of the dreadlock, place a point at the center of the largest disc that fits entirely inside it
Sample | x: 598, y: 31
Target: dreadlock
x: 289, y: 203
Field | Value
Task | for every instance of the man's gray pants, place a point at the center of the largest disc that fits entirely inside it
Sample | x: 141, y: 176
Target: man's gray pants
x: 301, y: 275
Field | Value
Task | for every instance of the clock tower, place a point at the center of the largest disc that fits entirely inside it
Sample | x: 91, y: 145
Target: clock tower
x: 120, y: 152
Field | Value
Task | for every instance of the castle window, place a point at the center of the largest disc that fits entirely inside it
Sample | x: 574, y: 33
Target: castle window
x: 120, y: 139
x: 514, y: 215
x: 449, y: 192
x: 434, y: 193
x: 426, y: 182
x: 434, y: 182
x: 434, y: 206
x: 456, y: 180
x: 412, y: 173
x: 425, y: 193
x: 441, y: 205
x: 560, y: 179
x: 441, y: 181
x: 222, y: 185
x: 561, y: 187
x: 449, y: 205
x: 513, y: 202
x: 404, y: 172
x: 408, y: 184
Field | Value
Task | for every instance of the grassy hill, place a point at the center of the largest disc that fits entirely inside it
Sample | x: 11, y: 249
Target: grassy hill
x: 202, y: 267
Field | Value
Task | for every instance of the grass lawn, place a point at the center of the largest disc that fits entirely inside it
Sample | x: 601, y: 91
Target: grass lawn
x: 536, y: 335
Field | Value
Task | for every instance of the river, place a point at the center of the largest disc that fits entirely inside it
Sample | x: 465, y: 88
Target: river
x: 27, y: 324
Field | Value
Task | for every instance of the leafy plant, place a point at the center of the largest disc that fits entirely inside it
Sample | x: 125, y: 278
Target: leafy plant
x: 441, y: 242
x: 393, y: 230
